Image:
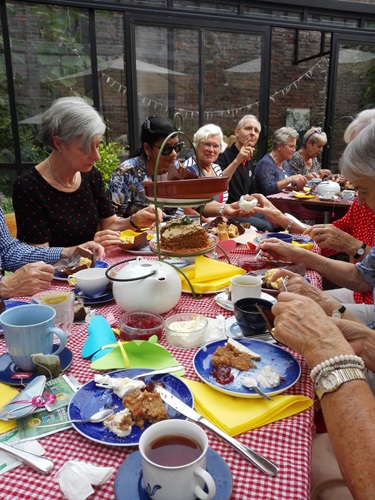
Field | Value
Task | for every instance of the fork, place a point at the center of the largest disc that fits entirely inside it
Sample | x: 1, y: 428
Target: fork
x: 169, y: 369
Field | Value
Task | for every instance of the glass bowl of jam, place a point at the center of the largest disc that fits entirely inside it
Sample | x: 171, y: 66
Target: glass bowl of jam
x: 140, y: 325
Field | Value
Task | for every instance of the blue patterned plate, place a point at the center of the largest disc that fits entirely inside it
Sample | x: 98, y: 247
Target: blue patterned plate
x: 90, y: 398
x: 280, y: 360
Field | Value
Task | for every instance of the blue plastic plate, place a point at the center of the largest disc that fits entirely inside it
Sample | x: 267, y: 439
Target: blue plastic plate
x: 90, y: 398
x: 280, y: 360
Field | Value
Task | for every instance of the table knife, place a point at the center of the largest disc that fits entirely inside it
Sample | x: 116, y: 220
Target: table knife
x: 263, y: 464
x: 39, y: 464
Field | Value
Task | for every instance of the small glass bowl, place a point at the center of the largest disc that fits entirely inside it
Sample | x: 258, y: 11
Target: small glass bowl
x: 140, y: 325
x: 186, y: 330
x: 249, y: 263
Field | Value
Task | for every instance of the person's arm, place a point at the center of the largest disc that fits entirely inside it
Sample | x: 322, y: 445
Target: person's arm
x: 346, y: 410
x: 343, y: 274
x: 27, y: 280
x: 245, y: 153
x: 275, y: 216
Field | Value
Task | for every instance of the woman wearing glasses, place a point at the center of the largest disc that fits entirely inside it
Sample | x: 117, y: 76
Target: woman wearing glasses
x: 305, y: 161
x: 272, y: 172
x: 62, y: 201
x: 125, y: 188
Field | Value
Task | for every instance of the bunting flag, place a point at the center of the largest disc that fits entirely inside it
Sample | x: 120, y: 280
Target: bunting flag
x: 233, y: 111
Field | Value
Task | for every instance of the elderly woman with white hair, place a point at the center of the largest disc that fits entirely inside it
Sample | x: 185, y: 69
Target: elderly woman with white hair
x: 208, y: 142
x: 305, y: 161
x: 272, y: 172
x: 62, y: 201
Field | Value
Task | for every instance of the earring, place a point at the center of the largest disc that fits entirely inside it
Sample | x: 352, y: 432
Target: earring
x: 148, y: 158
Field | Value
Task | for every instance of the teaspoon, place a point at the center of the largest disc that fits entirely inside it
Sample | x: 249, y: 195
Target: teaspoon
x: 251, y: 383
x: 94, y: 419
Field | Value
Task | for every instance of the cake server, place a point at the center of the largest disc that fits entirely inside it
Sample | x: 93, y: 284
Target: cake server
x: 263, y: 464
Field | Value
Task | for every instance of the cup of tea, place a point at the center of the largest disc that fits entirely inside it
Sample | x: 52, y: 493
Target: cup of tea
x: 245, y: 286
x: 348, y: 194
x: 92, y: 282
x: 30, y: 330
x: 174, y: 460
x: 63, y: 304
x: 248, y: 317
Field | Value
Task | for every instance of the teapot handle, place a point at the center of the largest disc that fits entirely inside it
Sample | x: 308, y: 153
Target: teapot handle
x: 126, y: 279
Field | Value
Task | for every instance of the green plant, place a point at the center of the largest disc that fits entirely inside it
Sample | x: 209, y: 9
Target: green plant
x: 6, y: 204
x: 109, y: 159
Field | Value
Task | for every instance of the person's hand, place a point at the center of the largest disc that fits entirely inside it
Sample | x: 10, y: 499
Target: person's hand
x: 107, y: 238
x: 246, y: 151
x: 27, y: 280
x: 233, y: 210
x: 95, y: 247
x: 298, y: 180
x: 301, y: 324
x: 361, y: 338
x: 324, y: 172
x: 329, y: 236
x: 274, y: 249
x: 146, y: 217
x: 268, y: 209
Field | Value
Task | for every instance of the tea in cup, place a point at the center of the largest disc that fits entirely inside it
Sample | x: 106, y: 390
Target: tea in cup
x: 29, y: 330
x: 174, y: 461
x: 245, y: 286
x: 63, y: 304
x: 93, y: 282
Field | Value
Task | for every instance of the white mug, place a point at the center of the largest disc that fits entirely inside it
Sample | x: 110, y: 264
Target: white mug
x: 245, y: 286
x: 93, y: 282
x: 185, y: 481
x: 347, y: 194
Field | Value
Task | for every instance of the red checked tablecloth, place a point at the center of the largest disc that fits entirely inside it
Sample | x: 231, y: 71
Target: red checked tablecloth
x: 287, y: 442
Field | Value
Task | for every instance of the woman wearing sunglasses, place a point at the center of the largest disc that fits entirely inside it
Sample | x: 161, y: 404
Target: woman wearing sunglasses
x: 125, y: 188
x: 305, y: 161
x: 62, y: 201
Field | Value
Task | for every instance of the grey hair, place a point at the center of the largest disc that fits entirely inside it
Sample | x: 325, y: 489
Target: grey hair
x: 358, y: 157
x: 71, y: 118
x: 207, y: 131
x: 282, y: 136
x: 249, y: 117
x: 361, y: 121
x: 315, y: 135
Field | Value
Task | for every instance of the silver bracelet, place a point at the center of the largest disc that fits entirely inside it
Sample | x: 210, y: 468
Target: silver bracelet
x: 289, y: 226
x: 221, y: 209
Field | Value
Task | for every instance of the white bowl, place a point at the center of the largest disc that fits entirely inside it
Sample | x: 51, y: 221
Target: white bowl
x: 186, y: 330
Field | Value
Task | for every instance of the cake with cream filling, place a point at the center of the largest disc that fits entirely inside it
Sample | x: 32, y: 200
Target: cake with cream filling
x: 183, y: 234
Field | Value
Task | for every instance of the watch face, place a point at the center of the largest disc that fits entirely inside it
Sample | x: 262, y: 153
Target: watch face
x: 336, y: 314
x: 329, y: 382
x: 360, y: 251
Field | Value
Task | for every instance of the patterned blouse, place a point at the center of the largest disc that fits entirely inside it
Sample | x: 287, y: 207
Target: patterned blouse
x: 298, y: 166
x: 191, y: 165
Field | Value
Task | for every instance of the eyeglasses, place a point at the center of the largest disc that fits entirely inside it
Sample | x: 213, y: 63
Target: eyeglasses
x: 208, y: 145
x: 167, y: 150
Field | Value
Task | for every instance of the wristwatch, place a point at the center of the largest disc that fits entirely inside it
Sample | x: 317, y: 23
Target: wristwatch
x: 360, y: 251
x: 337, y: 313
x: 331, y: 380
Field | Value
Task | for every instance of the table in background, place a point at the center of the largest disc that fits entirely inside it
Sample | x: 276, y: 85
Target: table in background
x: 322, y: 211
x: 287, y: 442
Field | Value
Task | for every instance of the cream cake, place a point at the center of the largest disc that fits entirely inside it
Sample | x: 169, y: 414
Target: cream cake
x: 183, y: 234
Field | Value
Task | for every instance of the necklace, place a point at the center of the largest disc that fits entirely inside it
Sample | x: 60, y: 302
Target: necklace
x: 57, y: 180
x: 278, y: 165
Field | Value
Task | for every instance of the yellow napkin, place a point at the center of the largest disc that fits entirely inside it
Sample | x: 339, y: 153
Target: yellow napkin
x: 7, y: 393
x: 208, y: 275
x: 238, y: 415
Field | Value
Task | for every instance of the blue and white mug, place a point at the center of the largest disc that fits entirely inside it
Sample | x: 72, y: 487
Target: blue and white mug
x: 30, y: 330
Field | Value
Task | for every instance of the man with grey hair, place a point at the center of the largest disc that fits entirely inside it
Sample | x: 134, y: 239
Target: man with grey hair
x: 236, y: 162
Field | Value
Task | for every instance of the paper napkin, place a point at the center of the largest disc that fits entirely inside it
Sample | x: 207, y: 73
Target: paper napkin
x: 208, y: 275
x: 237, y: 415
x: 7, y: 393
x: 141, y: 354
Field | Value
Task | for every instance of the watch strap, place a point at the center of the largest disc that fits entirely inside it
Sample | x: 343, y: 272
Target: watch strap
x: 337, y: 313
x: 360, y: 251
x: 342, y: 375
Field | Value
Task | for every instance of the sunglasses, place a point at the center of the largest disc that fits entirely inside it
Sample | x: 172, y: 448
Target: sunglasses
x: 167, y: 150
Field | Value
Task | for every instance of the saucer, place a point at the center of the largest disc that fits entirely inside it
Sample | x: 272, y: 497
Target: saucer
x: 221, y: 300
x: 90, y: 301
x: 8, y: 369
x: 63, y: 277
x: 129, y: 479
x: 233, y: 330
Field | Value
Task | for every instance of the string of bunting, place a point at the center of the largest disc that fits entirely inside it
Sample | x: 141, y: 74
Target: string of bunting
x: 224, y: 112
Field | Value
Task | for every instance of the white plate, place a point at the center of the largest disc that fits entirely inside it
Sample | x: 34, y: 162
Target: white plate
x: 330, y: 198
x: 142, y: 251
x: 221, y: 300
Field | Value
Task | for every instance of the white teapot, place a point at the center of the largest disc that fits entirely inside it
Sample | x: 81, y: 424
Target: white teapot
x: 148, y: 285
x: 328, y: 189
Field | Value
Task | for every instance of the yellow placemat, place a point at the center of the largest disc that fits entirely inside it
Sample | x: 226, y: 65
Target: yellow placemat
x: 208, y: 275
x: 7, y: 393
x: 237, y: 415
